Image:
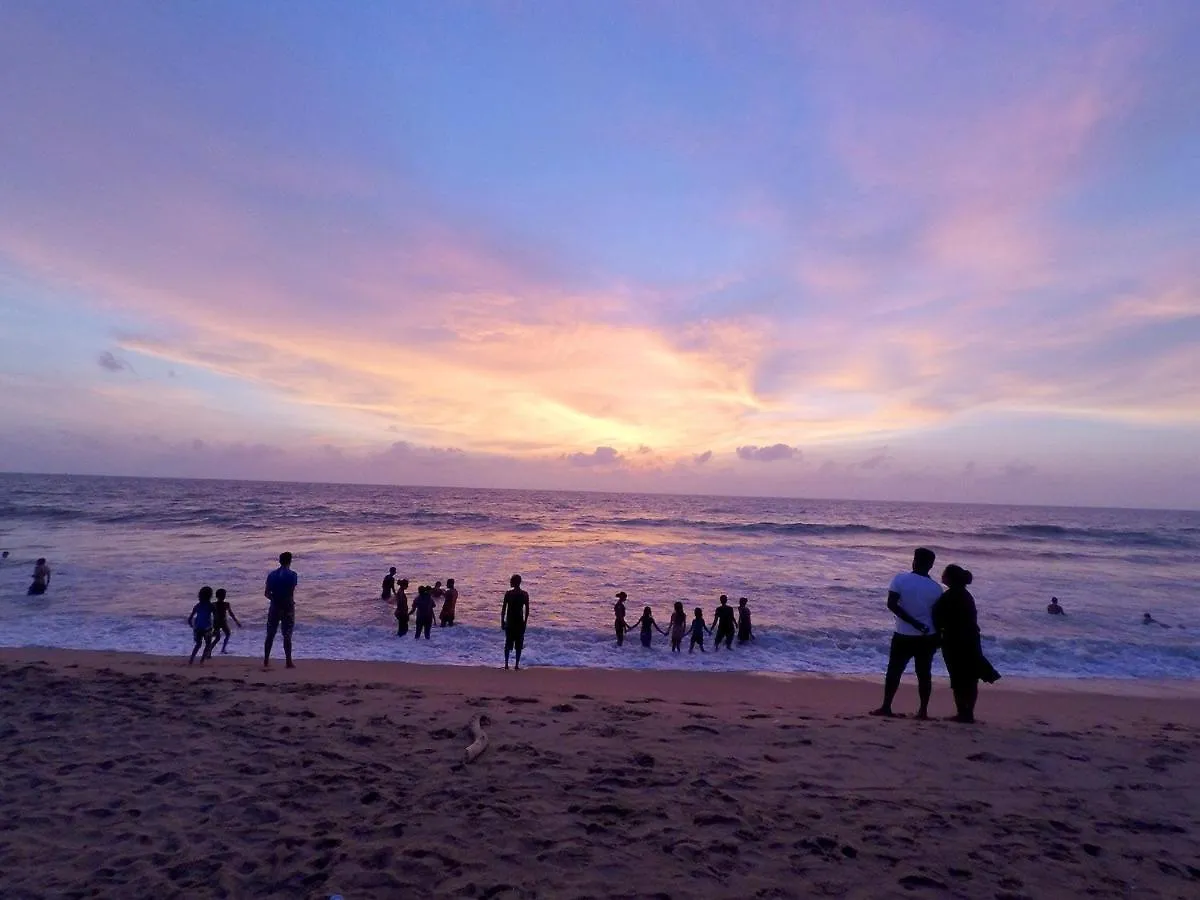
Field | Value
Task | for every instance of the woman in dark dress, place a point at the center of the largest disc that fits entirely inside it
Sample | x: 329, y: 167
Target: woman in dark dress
x: 956, y: 621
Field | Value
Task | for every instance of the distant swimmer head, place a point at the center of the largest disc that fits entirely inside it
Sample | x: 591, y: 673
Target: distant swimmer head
x: 621, y: 595
x: 41, y: 561
x: 1147, y: 618
x: 956, y: 576
x: 4, y: 555
x: 436, y: 585
x: 404, y: 583
x: 679, y: 606
x: 285, y: 559
x: 699, y: 613
x: 515, y: 581
x: 646, y: 611
x: 449, y: 582
x: 724, y: 599
x: 742, y: 601
x: 923, y: 559
x: 205, y: 594
x: 392, y: 570
x: 221, y: 593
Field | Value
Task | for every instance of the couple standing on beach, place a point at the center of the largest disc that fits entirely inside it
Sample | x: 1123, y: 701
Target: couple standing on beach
x: 928, y: 619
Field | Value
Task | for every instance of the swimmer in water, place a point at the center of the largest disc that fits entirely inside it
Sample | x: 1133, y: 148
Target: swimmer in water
x: 423, y: 608
x: 620, y: 626
x: 698, y: 630
x: 678, y: 626
x: 1054, y: 608
x: 648, y: 626
x: 1148, y: 619
x: 389, y: 584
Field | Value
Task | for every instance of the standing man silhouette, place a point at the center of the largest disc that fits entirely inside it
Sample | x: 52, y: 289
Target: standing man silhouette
x: 514, y: 616
x: 281, y: 613
x: 911, y: 597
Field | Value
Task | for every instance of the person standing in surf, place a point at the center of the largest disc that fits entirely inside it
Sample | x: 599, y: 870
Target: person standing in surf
x: 620, y: 626
x: 744, y: 630
x: 678, y: 627
x: 911, y: 597
x: 41, y: 578
x: 723, y: 625
x: 449, y: 602
x: 281, y: 613
x: 514, y: 616
x: 402, y: 611
x: 389, y: 585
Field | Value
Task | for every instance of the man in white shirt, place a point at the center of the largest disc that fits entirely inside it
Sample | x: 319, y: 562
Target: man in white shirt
x: 911, y: 597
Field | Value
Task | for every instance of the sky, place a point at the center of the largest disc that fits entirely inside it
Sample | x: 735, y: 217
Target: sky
x: 920, y: 251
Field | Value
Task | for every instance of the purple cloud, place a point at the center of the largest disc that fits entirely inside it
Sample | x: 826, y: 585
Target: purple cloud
x: 772, y: 453
x: 701, y: 458
x: 601, y: 456
x: 111, y: 363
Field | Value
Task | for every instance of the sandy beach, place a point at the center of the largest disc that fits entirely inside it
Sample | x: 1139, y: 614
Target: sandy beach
x: 135, y: 776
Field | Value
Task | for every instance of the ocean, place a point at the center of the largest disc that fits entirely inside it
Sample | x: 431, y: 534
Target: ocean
x: 128, y: 556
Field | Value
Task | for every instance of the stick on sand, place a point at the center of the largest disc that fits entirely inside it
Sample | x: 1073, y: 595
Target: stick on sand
x: 480, y: 742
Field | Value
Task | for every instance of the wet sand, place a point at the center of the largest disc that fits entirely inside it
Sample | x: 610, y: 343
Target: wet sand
x: 135, y: 776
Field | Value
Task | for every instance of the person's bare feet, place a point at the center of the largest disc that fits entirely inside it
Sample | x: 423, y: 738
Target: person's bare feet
x: 921, y: 715
x: 291, y: 665
x: 885, y: 713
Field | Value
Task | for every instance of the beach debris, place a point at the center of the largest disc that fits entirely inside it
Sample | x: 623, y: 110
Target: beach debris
x: 479, y: 736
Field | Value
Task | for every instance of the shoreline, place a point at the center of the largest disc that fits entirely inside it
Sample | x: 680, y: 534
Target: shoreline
x: 759, y: 685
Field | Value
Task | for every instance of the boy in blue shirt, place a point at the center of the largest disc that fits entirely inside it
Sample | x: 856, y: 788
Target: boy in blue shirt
x: 201, y: 621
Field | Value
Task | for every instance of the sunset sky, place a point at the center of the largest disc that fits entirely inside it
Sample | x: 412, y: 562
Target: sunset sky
x: 931, y: 250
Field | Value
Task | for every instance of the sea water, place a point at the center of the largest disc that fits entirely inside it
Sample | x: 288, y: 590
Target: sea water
x: 128, y: 556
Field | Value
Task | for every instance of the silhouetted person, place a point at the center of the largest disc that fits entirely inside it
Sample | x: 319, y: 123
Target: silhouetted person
x: 41, y: 578
x: 423, y: 607
x: 402, y: 611
x: 648, y: 626
x: 698, y: 630
x: 281, y: 613
x: 514, y: 616
x: 1054, y: 608
x: 723, y: 625
x: 449, y: 602
x: 678, y: 626
x: 620, y: 626
x: 911, y: 596
x: 957, y: 623
x: 389, y: 585
x: 744, y: 630
x: 1148, y: 619
x: 222, y: 613
x: 201, y: 622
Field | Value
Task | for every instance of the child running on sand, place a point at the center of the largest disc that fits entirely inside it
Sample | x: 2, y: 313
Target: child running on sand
x: 201, y: 622
x: 402, y: 611
x: 698, y: 630
x: 678, y: 626
x: 648, y: 626
x: 222, y: 613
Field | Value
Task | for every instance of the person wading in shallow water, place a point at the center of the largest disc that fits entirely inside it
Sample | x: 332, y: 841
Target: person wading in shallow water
x: 281, y: 613
x: 911, y: 596
x: 620, y: 626
x: 514, y: 616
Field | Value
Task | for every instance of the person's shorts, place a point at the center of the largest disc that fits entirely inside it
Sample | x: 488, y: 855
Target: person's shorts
x: 514, y: 637
x: 201, y: 634
x: 908, y: 647
x: 282, y: 617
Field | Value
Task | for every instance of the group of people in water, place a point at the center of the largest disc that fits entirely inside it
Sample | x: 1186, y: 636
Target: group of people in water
x: 423, y: 606
x: 724, y: 625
